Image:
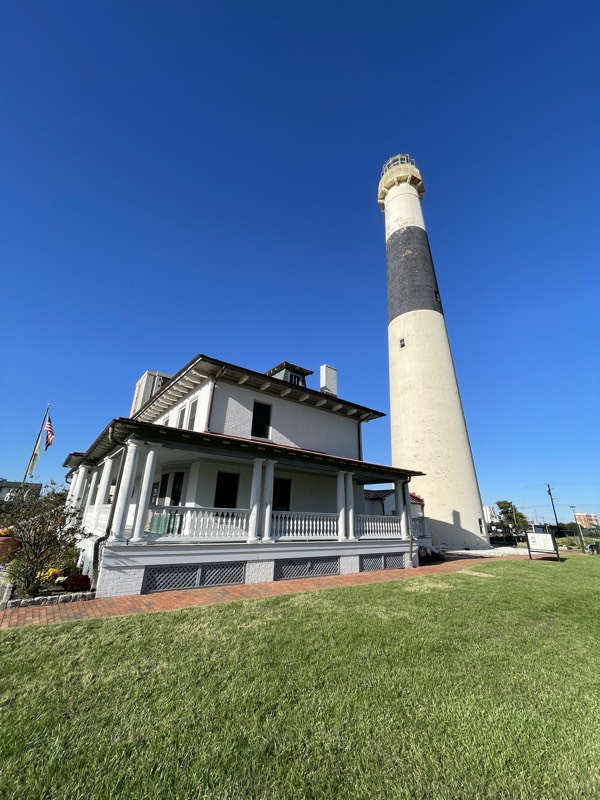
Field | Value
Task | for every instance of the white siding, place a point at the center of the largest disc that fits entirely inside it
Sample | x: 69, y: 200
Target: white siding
x: 292, y: 423
x: 202, y: 394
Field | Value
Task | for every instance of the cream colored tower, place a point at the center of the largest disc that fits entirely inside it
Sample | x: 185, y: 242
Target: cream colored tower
x: 428, y: 426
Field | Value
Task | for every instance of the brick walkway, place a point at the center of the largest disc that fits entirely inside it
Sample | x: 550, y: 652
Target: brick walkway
x: 188, y: 598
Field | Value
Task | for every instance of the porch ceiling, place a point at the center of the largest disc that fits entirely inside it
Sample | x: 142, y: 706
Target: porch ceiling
x: 190, y: 446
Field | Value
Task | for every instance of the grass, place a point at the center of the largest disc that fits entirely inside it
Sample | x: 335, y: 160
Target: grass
x: 481, y: 684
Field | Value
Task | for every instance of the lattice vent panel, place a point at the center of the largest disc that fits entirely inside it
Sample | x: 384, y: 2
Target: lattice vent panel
x: 192, y: 576
x: 371, y: 563
x: 394, y: 561
x: 288, y: 568
x: 161, y: 579
x: 221, y: 574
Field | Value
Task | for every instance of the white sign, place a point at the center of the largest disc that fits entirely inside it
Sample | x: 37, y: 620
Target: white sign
x: 541, y: 542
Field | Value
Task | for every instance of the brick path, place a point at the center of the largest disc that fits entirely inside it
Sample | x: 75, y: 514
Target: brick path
x: 167, y: 601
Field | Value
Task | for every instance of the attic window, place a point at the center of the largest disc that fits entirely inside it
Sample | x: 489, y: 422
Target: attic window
x: 402, y: 344
x: 296, y: 379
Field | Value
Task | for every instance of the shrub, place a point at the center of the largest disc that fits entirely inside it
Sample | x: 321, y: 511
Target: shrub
x: 77, y: 583
x: 47, y: 531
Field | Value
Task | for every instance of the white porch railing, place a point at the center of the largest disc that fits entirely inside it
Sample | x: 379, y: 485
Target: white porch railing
x: 100, y: 526
x: 419, y: 528
x: 205, y: 523
x: 304, y: 525
x: 377, y: 527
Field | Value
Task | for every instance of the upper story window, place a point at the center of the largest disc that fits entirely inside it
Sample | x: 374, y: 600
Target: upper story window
x: 192, y: 417
x: 166, y: 422
x: 261, y: 420
x: 181, y: 417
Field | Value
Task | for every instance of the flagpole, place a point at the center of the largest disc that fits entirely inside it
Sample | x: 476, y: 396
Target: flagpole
x: 38, y: 440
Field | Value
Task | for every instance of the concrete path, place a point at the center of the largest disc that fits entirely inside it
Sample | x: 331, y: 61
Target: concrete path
x: 188, y: 598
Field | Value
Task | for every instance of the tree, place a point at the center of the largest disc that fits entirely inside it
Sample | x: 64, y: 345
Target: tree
x: 47, y: 531
x: 511, y: 516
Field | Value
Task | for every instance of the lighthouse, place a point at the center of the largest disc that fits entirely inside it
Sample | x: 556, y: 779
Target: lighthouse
x: 428, y: 428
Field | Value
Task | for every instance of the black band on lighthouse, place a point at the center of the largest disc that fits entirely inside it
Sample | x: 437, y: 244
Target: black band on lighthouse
x: 411, y: 280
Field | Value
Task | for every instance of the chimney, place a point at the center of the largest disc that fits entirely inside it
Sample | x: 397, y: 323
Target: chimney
x: 147, y: 386
x: 328, y: 380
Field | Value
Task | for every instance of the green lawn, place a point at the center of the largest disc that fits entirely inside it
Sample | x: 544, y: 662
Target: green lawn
x: 481, y: 684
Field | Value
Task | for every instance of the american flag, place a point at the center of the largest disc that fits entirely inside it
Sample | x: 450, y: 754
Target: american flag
x: 49, y: 432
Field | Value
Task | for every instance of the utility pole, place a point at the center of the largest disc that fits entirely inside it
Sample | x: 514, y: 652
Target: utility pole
x: 553, y: 509
x: 581, y: 542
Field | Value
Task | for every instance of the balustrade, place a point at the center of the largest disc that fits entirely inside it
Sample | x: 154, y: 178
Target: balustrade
x: 204, y: 523
x: 377, y: 527
x: 304, y: 525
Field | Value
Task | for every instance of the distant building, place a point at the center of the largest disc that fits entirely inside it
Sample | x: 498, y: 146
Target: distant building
x: 10, y: 491
x: 587, y: 520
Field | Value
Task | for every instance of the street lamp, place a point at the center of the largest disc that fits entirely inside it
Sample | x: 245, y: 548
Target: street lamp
x: 581, y: 542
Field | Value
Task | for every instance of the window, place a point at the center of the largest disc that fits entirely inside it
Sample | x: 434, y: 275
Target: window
x: 192, y: 417
x: 402, y: 344
x: 296, y: 380
x: 166, y: 422
x: 162, y: 491
x: 261, y: 420
x: 282, y: 491
x: 177, y: 488
x: 181, y: 417
x: 226, y: 490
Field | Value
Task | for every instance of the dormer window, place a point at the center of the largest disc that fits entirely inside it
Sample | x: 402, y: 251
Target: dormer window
x: 291, y: 373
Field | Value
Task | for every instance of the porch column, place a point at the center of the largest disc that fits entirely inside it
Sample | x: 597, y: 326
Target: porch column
x: 341, y: 506
x: 268, y: 500
x: 350, y: 505
x: 93, y: 483
x: 102, y: 490
x: 192, y: 486
x: 399, y: 500
x: 141, y: 513
x: 122, y: 500
x: 406, y: 517
x: 78, y: 491
x: 253, y: 525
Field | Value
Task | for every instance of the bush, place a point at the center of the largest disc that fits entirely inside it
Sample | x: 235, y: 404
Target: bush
x: 77, y: 583
x: 47, y: 531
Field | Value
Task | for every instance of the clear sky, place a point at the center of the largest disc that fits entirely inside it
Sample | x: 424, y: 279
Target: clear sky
x: 186, y: 177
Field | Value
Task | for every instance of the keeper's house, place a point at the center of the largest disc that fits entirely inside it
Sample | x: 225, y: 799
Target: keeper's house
x: 223, y: 475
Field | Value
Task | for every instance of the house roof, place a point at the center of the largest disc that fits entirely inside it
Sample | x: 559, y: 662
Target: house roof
x: 381, y: 494
x: 119, y: 430
x: 202, y: 368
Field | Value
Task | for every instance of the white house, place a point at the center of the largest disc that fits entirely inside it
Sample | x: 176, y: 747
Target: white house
x: 225, y: 475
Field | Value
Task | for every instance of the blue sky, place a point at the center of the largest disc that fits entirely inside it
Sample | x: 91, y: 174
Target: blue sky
x: 182, y: 178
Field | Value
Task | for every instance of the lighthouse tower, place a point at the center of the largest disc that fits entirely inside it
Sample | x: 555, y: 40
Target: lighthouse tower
x: 428, y: 426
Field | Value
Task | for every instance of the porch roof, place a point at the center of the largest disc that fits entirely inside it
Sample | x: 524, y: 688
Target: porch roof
x: 202, y: 367
x: 119, y: 430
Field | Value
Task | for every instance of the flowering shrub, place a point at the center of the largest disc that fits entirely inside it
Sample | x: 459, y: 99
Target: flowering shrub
x: 47, y: 575
x: 77, y: 583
